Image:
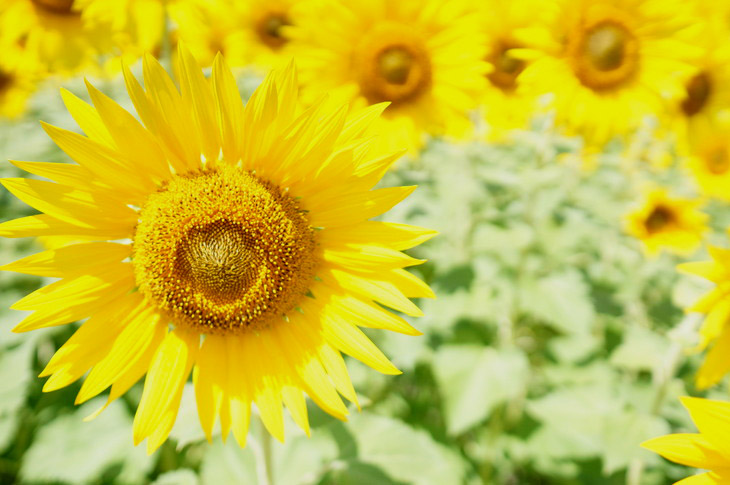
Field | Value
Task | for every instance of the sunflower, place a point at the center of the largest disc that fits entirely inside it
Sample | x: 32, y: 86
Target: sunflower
x: 666, y: 222
x: 54, y: 32
x: 505, y: 106
x: 608, y: 62
x: 206, y: 27
x: 425, y: 58
x: 19, y: 75
x: 715, y: 331
x: 259, y: 37
x: 709, y: 159
x: 228, y: 241
x: 706, y: 93
x: 135, y: 26
x: 709, y: 449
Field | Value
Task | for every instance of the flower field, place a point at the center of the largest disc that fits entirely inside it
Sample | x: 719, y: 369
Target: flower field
x: 345, y: 242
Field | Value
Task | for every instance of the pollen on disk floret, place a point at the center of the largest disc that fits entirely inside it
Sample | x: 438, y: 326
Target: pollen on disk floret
x: 223, y: 251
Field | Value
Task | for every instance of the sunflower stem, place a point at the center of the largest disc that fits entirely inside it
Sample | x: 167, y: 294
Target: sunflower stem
x: 266, y: 456
x: 662, y: 379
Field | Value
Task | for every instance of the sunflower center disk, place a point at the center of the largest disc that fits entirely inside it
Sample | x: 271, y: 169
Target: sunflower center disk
x: 659, y: 219
x: 607, y: 55
x: 394, y: 70
x: 62, y: 7
x: 6, y: 80
x: 269, y: 29
x: 698, y: 92
x: 506, y: 68
x: 223, y: 252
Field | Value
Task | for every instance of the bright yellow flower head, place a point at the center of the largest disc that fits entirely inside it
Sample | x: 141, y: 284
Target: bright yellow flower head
x: 608, y: 62
x: 206, y: 27
x: 706, y: 91
x: 708, y: 450
x: 715, y: 331
x: 19, y: 75
x: 505, y: 106
x: 664, y: 222
x: 136, y: 26
x: 425, y: 58
x: 54, y: 32
x: 709, y: 160
x: 230, y: 241
x: 259, y: 37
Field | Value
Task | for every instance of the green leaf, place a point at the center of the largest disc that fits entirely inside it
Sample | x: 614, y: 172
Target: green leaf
x: 371, y: 444
x: 561, y: 300
x: 71, y: 451
x: 473, y: 380
x: 177, y: 477
x: 641, y: 349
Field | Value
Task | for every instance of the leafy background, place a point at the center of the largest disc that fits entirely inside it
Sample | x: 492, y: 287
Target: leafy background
x: 554, y: 348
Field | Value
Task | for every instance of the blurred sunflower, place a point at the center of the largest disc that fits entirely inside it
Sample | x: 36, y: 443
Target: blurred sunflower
x: 250, y: 257
x: 709, y: 160
x: 608, y: 63
x: 206, y: 27
x: 54, y: 32
x: 136, y: 26
x: 706, y: 96
x: 708, y: 450
x: 715, y: 331
x: 505, y: 107
x: 425, y: 58
x: 259, y: 38
x: 663, y: 222
x: 19, y: 74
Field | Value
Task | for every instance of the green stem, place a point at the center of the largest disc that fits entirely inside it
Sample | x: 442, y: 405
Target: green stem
x: 662, y: 379
x: 267, y: 458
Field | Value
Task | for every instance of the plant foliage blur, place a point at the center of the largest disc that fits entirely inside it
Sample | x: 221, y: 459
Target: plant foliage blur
x: 558, y: 341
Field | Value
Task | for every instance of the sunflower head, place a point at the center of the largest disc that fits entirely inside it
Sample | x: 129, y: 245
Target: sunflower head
x: 395, y: 66
x: 709, y: 160
x: 230, y: 242
x: 665, y: 222
x: 609, y: 63
x: 427, y: 59
x: 222, y: 251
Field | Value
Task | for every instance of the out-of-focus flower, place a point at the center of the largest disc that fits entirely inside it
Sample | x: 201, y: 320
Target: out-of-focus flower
x: 247, y: 230
x: 708, y: 450
x: 54, y: 32
x: 260, y: 36
x: 706, y: 96
x: 19, y: 76
x: 608, y: 63
x: 715, y: 331
x: 425, y: 58
x: 664, y: 222
x: 506, y: 107
x: 206, y: 27
x: 709, y: 159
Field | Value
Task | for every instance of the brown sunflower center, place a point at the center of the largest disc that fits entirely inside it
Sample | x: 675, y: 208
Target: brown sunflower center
x: 658, y: 219
x: 605, y: 55
x: 395, y: 72
x: 269, y: 29
x: 717, y: 160
x: 61, y: 7
x: 6, y: 80
x: 698, y: 90
x: 223, y: 251
x: 506, y: 67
